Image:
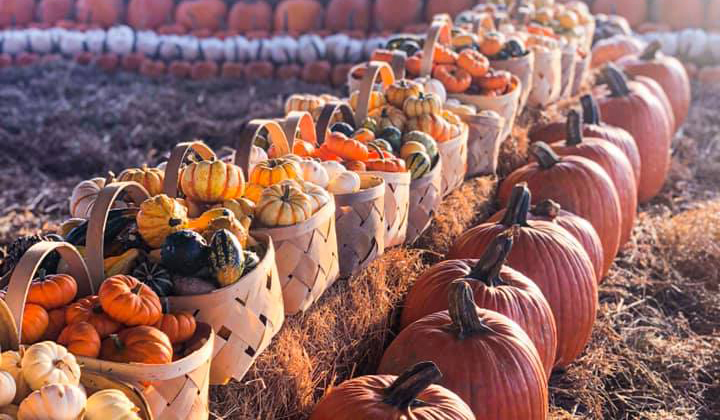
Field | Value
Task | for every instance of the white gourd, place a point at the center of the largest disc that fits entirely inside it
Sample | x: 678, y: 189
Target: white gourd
x: 333, y: 168
x: 120, y: 39
x: 315, y: 172
x: 7, y: 388
x: 95, y: 40
x: 49, y: 363
x: 148, y: 43
x: 55, y: 401
x: 345, y: 183
x: 110, y: 404
x: 40, y: 40
x: 11, y: 362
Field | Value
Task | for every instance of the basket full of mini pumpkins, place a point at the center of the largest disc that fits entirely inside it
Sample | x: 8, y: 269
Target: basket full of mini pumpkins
x: 118, y: 329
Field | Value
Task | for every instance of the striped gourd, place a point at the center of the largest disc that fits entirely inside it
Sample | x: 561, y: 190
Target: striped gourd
x: 226, y: 257
x: 418, y: 163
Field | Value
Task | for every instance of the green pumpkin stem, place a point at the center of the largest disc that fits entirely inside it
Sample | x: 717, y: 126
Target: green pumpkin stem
x: 463, y: 312
x: 403, y: 393
x: 573, y: 129
x: 489, y: 265
x: 591, y: 112
x: 518, y: 206
x: 616, y: 80
x: 651, y: 51
x: 544, y: 155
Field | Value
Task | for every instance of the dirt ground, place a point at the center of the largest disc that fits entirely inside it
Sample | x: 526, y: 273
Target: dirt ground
x: 654, y: 353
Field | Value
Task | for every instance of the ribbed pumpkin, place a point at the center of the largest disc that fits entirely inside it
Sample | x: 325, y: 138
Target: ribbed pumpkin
x: 250, y: 15
x: 394, y: 15
x: 201, y: 14
x: 554, y: 260
x: 631, y: 106
x: 84, y: 195
x: 16, y: 12
x: 142, y: 344
x: 179, y: 327
x: 89, y: 310
x: 35, y: 322
x: 668, y: 72
x: 681, y: 14
x: 612, y: 160
x: 496, y: 287
x: 487, y: 359
x: 127, y: 300
x: 579, y: 185
x: 402, y: 89
x: 104, y: 13
x: 657, y: 90
x: 150, y: 178
x: 149, y: 14
x: 81, y: 339
x: 348, y: 15
x: 298, y: 16
x: 635, y: 11
x: 412, y: 395
x: 212, y: 181
x: 158, y: 217
x: 52, y: 291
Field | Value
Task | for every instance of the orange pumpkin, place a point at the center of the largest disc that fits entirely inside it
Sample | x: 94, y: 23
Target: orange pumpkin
x: 250, y: 15
x: 105, y: 13
x: 364, y: 135
x: 346, y: 148
x: 149, y: 14
x: 259, y: 70
x: 89, y: 310
x: 494, y: 80
x: 444, y: 55
x: 81, y: 339
x: 179, y: 327
x: 130, y: 302
x: 201, y: 14
x: 454, y: 78
x: 303, y: 148
x: 348, y: 15
x: 317, y: 71
x: 52, y: 291
x: 142, y: 344
x: 16, y: 12
x: 394, y: 15
x: 355, y: 165
x: 492, y: 43
x: 323, y: 153
x: 298, y: 16
x: 56, y: 323
x: 432, y: 124
x: 414, y: 64
x: 35, y: 322
x: 473, y: 62
x: 384, y: 161
x: 53, y: 11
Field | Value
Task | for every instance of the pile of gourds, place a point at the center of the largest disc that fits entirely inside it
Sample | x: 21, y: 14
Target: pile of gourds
x: 43, y: 382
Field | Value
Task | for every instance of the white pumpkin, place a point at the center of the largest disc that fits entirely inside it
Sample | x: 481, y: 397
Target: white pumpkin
x: 333, y: 168
x: 11, y: 362
x: 433, y: 86
x: 213, y: 49
x: 371, y: 44
x: 14, y: 42
x: 169, y: 47
x: 257, y: 155
x: 84, y: 195
x: 55, y: 401
x: 110, y: 404
x: 189, y: 47
x: 95, y: 40
x: 345, y: 183
x: 7, y: 388
x: 311, y: 48
x: 314, y: 172
x: 40, y: 40
x: 120, y: 39
x: 318, y: 195
x: 147, y: 42
x: 72, y: 42
x: 49, y: 363
x: 354, y: 51
x: 337, y: 47
x: 283, y: 50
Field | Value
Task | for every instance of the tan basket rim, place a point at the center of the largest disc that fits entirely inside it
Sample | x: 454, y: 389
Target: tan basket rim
x: 362, y: 195
x: 375, y: 69
x: 431, y: 39
x: 514, y: 92
x: 530, y: 56
x: 177, y: 157
x: 94, y: 380
x: 243, y: 147
x: 498, y: 122
x: 285, y: 232
x: 326, y: 114
x: 401, y: 178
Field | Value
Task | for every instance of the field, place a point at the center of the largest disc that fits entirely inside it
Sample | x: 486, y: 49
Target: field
x: 654, y: 352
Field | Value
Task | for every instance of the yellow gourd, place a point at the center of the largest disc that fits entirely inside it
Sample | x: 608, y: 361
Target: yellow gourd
x: 158, y: 217
x: 150, y: 178
x: 212, y: 181
x: 121, y: 264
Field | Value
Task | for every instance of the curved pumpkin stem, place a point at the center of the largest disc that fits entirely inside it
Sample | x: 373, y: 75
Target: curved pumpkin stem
x: 402, y: 394
x: 616, y: 80
x: 518, y: 206
x: 573, y: 129
x: 544, y: 154
x: 651, y: 51
x: 488, y: 267
x: 591, y: 112
x: 546, y: 208
x: 463, y: 312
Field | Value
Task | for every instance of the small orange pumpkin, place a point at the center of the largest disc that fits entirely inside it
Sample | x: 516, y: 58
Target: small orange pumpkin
x: 35, y: 322
x: 444, y: 55
x: 346, y: 148
x: 81, y: 339
x: 130, y: 302
x: 56, y: 323
x: 52, y: 291
x: 179, y: 327
x: 473, y: 62
x: 303, y: 148
x: 142, y: 344
x: 454, y: 78
x: 89, y: 310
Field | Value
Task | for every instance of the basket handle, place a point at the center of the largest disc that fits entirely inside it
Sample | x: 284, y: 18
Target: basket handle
x: 438, y: 29
x: 95, y: 239
x: 326, y: 114
x: 374, y: 69
x: 300, y: 121
x: 243, y: 147
x: 23, y: 274
x: 397, y: 62
x: 177, y: 156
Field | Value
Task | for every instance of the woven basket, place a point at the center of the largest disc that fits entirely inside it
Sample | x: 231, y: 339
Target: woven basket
x: 306, y: 253
x: 547, y: 76
x: 582, y: 65
x: 569, y: 64
x: 454, y: 155
x: 178, y: 390
x: 425, y: 197
x: 245, y: 315
x: 484, y: 140
x: 522, y: 67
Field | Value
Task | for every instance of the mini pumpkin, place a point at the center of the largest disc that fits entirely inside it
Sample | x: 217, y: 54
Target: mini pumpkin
x: 89, y: 310
x: 377, y: 99
x: 345, y: 182
x: 81, y: 339
x: 212, y: 181
x: 314, y: 172
x: 473, y: 62
x: 110, y: 404
x: 402, y: 89
x: 318, y: 195
x: 158, y: 217
x: 179, y: 327
x: 434, y: 125
x: 150, y: 178
x: 422, y: 104
x: 141, y: 344
x: 389, y: 116
x: 423, y: 138
x: 346, y: 148
x: 52, y: 291
x: 129, y: 301
x: 11, y: 362
x: 454, y: 78
x: 84, y: 195
x: 57, y: 401
x: 300, y: 102
x: 35, y: 322
x: 283, y: 205
x: 49, y: 363
x: 7, y: 388
x: 365, y: 135
x: 274, y: 171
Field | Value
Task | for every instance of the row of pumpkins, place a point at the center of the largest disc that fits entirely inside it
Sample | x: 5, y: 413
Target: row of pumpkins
x: 43, y: 382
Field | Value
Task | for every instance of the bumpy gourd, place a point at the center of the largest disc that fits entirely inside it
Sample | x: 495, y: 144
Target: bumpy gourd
x: 212, y: 181
x: 226, y: 257
x: 158, y: 217
x: 150, y: 178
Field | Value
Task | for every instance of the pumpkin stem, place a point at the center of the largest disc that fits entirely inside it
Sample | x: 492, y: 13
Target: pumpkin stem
x: 616, y: 80
x: 546, y: 208
x: 174, y: 222
x: 117, y: 342
x: 573, y: 129
x: 651, y: 51
x: 518, y: 205
x: 403, y: 392
x: 136, y: 290
x: 544, y: 154
x: 488, y: 267
x: 591, y: 112
x: 110, y: 178
x: 463, y: 312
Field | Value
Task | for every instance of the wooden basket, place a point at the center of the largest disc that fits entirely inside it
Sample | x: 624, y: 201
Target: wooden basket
x: 306, y: 253
x: 454, y: 155
x: 582, y: 66
x: 547, y: 75
x: 425, y: 197
x: 522, y: 67
x: 93, y: 382
x: 245, y: 315
x: 484, y: 140
x: 178, y: 390
x: 568, y: 63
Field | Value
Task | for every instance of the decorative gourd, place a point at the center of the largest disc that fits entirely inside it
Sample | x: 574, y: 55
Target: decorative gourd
x: 345, y: 182
x: 333, y: 169
x: 150, y: 178
x: 179, y: 327
x: 11, y: 362
x: 303, y: 148
x: 242, y: 208
x: 128, y: 301
x: 58, y: 401
x: 553, y: 259
x: 508, y: 365
x: 579, y: 185
x: 283, y: 205
x: 155, y: 276
x: 226, y: 257
x: 184, y: 252
x: 158, y: 217
x: 382, y: 144
x: 89, y: 310
x: 84, y: 195
x: 473, y: 62
x: 418, y: 163
x: 422, y: 104
x: 257, y: 155
x: 401, y: 90
x: 141, y: 344
x: 318, y: 195
x: 300, y: 102
x: 364, y: 135
x: 424, y: 139
x: 393, y: 136
x: 7, y: 388
x: 342, y: 127
x: 410, y: 395
x: 56, y: 323
x: 314, y: 172
x: 110, y: 404
x: 212, y: 181
x: 203, y: 222
x: 252, y: 259
x: 377, y: 99
x: 253, y: 192
x: 274, y: 171
x: 81, y: 339
x: 49, y: 363
x: 389, y: 116
x: 435, y: 86
x: 35, y: 322
x: 410, y: 147
x: 434, y: 125
x: 346, y: 148
x: 385, y: 162
x: 121, y: 264
x: 52, y: 291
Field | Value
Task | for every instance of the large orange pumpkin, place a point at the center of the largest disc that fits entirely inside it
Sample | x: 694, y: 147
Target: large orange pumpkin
x: 681, y: 14
x: 52, y: 291
x: 635, y: 11
x: 179, y: 327
x: 298, y: 16
x: 53, y: 11
x: 496, y: 287
x: 129, y: 301
x: 612, y: 160
x: 394, y: 15
x: 554, y: 260
x: 668, y: 72
x: 612, y: 49
x: 16, y: 12
x: 201, y: 14
x: 630, y: 105
x: 250, y: 15
x: 348, y: 15
x: 487, y: 359
x: 104, y: 13
x: 412, y: 395
x: 81, y: 339
x: 149, y: 14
